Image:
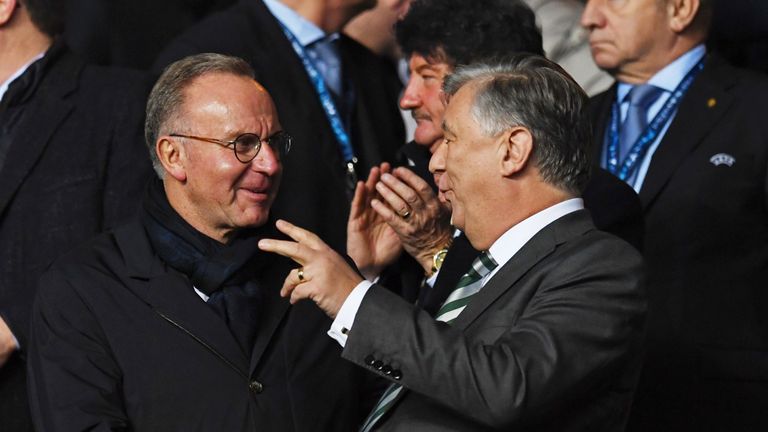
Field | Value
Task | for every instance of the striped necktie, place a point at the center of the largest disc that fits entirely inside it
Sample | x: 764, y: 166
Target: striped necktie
x: 469, y: 285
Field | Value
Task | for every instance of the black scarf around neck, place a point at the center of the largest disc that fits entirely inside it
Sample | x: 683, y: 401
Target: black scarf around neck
x: 227, y: 273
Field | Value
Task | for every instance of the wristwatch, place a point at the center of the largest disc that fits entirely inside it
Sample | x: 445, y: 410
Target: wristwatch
x: 437, y: 260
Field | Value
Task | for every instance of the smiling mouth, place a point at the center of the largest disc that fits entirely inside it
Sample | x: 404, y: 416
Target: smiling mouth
x: 419, y: 116
x: 258, y: 194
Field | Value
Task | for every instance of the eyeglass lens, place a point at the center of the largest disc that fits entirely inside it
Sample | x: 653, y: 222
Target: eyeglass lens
x: 247, y: 145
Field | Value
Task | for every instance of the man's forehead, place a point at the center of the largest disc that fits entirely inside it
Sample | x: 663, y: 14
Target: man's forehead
x: 457, y: 111
x: 419, y: 62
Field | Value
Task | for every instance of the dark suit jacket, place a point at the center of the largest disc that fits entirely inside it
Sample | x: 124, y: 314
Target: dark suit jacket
x: 550, y: 343
x: 706, y: 247
x: 131, y: 33
x: 614, y: 206
x: 76, y: 165
x: 120, y: 341
x: 314, y: 192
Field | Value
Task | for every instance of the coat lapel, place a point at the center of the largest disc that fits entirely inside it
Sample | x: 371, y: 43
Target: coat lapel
x: 170, y: 294
x: 538, y: 248
x: 275, y: 309
x: 600, y: 107
x: 50, y: 109
x: 699, y: 112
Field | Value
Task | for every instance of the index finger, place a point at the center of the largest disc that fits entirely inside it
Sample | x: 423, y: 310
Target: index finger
x: 415, y: 182
x: 305, y: 237
x: 286, y: 248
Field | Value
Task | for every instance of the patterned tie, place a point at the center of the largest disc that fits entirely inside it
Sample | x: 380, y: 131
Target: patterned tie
x: 641, y: 97
x: 468, y: 285
x: 325, y: 55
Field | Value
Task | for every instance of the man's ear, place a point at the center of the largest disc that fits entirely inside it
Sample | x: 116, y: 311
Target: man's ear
x: 516, y: 150
x: 172, y: 156
x: 6, y: 10
x: 681, y: 14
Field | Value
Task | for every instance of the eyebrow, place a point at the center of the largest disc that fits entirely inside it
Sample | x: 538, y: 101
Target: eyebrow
x: 447, y: 128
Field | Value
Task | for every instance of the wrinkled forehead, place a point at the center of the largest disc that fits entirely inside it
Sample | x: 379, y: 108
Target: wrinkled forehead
x: 234, y: 94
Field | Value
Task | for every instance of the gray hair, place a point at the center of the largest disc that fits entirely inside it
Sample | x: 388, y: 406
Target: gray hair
x: 164, y: 107
x: 532, y: 92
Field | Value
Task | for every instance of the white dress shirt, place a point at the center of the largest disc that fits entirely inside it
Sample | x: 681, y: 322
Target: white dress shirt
x: 502, y: 250
x: 5, y: 84
x: 666, y: 79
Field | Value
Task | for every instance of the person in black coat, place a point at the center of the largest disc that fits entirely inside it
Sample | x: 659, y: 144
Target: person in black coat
x: 702, y: 184
x: 317, y: 186
x: 174, y: 322
x: 71, y: 165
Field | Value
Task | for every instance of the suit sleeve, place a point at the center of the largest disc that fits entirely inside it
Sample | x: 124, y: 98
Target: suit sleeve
x: 574, y: 333
x: 73, y: 379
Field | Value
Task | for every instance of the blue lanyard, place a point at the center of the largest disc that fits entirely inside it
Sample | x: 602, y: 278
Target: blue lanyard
x: 325, y: 99
x: 640, y: 148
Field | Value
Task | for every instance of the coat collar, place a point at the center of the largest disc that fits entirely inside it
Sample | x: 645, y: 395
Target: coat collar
x: 170, y: 294
x: 703, y: 105
x: 537, y: 248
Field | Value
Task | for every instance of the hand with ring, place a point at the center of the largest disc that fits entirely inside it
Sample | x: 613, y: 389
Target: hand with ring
x: 411, y: 208
x: 332, y: 278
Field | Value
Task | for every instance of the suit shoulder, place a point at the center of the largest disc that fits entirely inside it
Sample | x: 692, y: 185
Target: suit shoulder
x: 97, y: 259
x: 231, y: 31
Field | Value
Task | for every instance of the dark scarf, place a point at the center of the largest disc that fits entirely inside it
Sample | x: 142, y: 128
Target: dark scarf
x: 225, y: 272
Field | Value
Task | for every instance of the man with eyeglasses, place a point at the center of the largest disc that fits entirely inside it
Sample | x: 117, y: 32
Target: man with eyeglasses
x: 174, y: 322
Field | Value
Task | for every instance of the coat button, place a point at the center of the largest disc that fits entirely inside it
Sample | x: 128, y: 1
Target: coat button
x: 397, y: 374
x: 378, y: 364
x: 369, y: 360
x: 256, y: 386
x: 387, y: 370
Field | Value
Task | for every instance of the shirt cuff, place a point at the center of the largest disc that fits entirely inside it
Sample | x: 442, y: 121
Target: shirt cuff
x: 346, y: 316
x: 431, y: 280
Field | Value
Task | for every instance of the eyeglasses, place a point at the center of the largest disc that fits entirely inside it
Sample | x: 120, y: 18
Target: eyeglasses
x: 247, y: 145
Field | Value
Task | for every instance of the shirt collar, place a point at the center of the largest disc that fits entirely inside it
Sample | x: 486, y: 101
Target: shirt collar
x: 305, y: 31
x: 670, y: 76
x: 506, y: 246
x: 4, y: 85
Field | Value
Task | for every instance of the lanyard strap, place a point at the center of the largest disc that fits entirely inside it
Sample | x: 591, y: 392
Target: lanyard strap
x: 640, y: 148
x: 331, y: 112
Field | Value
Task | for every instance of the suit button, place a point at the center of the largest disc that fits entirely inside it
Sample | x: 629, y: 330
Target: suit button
x: 369, y: 360
x: 387, y: 370
x: 397, y: 374
x: 256, y: 387
x: 378, y: 364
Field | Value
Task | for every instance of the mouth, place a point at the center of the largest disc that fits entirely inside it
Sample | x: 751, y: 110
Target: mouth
x: 257, y: 194
x: 419, y: 116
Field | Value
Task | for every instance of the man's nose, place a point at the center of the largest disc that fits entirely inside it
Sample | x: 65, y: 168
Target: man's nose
x: 267, y: 161
x: 410, y: 98
x: 591, y: 17
x: 437, y: 161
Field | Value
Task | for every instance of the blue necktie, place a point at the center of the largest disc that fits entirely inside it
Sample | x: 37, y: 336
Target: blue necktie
x: 325, y: 55
x: 641, y: 97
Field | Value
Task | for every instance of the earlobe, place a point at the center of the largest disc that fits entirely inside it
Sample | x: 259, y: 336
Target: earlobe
x: 682, y: 13
x: 516, y: 149
x: 6, y: 10
x: 171, y: 155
